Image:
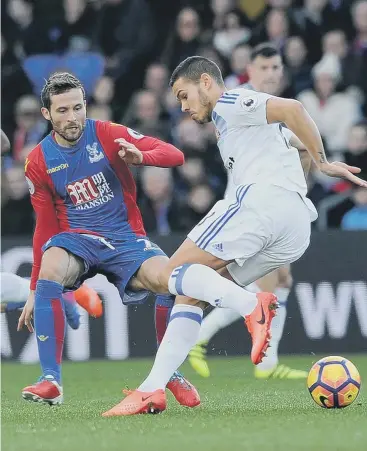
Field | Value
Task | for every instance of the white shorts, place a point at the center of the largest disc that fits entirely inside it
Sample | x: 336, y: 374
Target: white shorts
x: 261, y: 229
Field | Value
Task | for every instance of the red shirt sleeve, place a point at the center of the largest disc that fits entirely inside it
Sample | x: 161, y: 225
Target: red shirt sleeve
x: 155, y: 152
x: 47, y: 223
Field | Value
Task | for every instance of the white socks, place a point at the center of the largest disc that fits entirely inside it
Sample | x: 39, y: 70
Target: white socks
x: 205, y: 284
x: 14, y: 288
x: 181, y: 335
x: 277, y: 327
x: 220, y: 318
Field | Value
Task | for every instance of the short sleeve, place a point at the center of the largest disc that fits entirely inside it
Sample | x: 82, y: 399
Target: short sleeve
x: 246, y: 108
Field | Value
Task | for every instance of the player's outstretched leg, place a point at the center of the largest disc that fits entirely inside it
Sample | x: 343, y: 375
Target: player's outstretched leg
x: 201, y: 282
x: 181, y: 388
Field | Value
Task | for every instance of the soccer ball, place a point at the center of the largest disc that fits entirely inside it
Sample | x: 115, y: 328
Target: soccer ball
x: 334, y: 382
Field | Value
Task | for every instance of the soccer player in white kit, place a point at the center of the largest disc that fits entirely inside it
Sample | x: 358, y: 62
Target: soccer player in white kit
x: 266, y: 74
x: 262, y: 224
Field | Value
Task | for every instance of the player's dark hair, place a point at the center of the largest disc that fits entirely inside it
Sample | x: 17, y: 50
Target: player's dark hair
x: 265, y: 50
x: 58, y: 83
x: 193, y: 67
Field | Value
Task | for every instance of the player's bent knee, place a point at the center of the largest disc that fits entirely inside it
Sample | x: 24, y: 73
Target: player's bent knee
x: 59, y: 266
x: 163, y: 279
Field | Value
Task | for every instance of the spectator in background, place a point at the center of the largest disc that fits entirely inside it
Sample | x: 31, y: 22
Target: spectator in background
x: 79, y: 16
x: 283, y: 5
x: 14, y: 84
x: 335, y: 42
x: 208, y: 51
x: 185, y: 39
x: 220, y: 9
x: 356, y: 153
x: 144, y: 115
x: 104, y: 91
x: 310, y: 20
x: 161, y: 213
x: 200, y: 200
x: 239, y: 61
x: 156, y: 79
x: 126, y: 36
x: 333, y: 112
x: 276, y: 29
x: 358, y: 54
x: 100, y: 112
x: 356, y: 218
x: 16, y: 209
x: 299, y: 71
x: 100, y: 106
x: 359, y: 14
x: 199, y: 142
x: 231, y: 33
x: 30, y: 126
x: 48, y: 30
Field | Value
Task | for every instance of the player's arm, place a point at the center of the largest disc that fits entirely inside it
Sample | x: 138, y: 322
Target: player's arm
x: 138, y: 149
x: 297, y: 119
x: 47, y: 223
x: 5, y: 143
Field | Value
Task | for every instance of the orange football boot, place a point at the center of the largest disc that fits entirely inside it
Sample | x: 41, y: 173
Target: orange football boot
x: 139, y: 402
x: 258, y: 324
x: 88, y: 298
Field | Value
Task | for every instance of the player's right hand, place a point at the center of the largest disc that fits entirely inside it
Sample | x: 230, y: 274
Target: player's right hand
x: 27, y: 314
x: 342, y: 170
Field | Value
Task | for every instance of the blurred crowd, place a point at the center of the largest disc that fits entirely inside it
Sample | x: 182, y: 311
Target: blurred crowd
x: 124, y: 52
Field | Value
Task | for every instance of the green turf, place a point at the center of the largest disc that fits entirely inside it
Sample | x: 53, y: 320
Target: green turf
x: 237, y: 412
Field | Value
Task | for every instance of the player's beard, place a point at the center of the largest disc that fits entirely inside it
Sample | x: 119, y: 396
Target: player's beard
x: 68, y: 135
x: 205, y: 103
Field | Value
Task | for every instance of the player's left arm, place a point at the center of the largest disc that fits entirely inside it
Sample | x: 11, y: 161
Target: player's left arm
x: 297, y: 119
x: 137, y: 149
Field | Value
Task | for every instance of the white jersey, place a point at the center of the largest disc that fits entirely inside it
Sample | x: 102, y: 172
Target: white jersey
x: 252, y: 150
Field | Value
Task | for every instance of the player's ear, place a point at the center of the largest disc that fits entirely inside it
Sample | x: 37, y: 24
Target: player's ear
x: 46, y: 113
x: 206, y: 80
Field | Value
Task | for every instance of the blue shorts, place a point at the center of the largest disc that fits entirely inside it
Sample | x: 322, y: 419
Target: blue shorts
x: 118, y: 260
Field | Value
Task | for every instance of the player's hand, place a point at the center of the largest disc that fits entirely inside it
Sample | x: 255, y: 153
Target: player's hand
x: 342, y: 170
x: 128, y: 152
x: 27, y: 314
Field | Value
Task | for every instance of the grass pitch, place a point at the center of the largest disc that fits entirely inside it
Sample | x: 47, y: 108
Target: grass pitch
x: 237, y: 412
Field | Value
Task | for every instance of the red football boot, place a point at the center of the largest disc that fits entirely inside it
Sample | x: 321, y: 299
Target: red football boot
x: 183, y: 390
x: 46, y: 390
